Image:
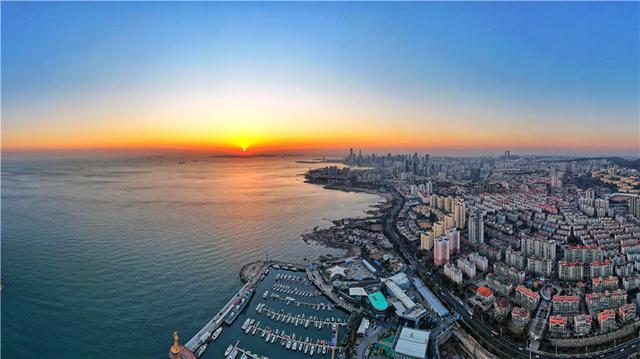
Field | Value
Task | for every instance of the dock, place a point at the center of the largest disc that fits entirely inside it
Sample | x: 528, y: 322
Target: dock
x: 287, y: 289
x: 318, y: 345
x: 292, y: 279
x: 219, y: 318
x: 289, y: 300
x: 271, y: 313
x: 253, y: 269
x: 215, y: 322
x: 254, y: 273
x: 248, y: 353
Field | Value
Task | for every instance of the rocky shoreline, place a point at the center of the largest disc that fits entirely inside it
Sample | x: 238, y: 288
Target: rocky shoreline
x: 327, y: 237
x: 347, y: 188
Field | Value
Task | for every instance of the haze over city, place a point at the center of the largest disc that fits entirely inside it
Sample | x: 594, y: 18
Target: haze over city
x: 449, y: 78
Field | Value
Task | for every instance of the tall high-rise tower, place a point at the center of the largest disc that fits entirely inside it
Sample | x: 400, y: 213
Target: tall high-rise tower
x: 476, y: 227
x: 460, y: 215
x: 634, y: 206
x: 441, y: 251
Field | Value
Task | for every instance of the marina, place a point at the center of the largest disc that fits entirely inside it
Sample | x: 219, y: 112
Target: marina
x: 298, y: 319
x: 292, y: 301
x: 230, y: 310
x: 287, y: 289
x: 273, y: 321
x: 290, y: 342
x: 292, y: 279
x: 233, y: 351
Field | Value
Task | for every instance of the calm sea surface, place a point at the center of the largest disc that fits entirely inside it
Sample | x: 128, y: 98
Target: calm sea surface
x: 106, y: 258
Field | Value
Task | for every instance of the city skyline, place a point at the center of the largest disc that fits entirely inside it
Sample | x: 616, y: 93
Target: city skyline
x: 308, y: 77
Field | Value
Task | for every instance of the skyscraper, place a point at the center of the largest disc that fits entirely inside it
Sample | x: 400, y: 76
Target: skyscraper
x: 538, y: 246
x: 426, y: 241
x: 555, y: 178
x: 427, y: 165
x: 441, y: 251
x: 460, y: 215
x: 634, y: 206
x: 453, y: 236
x: 476, y: 227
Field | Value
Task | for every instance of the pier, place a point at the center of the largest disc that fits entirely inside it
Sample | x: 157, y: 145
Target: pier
x: 284, y: 316
x: 289, y: 300
x: 219, y: 318
x: 248, y: 353
x: 292, y: 279
x: 319, y: 344
x: 251, y: 274
x: 254, y: 269
x: 287, y: 289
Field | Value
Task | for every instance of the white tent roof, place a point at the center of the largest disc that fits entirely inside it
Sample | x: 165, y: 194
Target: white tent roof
x: 401, y: 279
x: 357, y: 291
x: 364, y: 325
x: 413, y: 342
x: 400, y: 294
x: 337, y: 270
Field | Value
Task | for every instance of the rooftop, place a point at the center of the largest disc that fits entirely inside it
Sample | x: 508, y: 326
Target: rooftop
x: 557, y: 319
x: 428, y: 295
x: 378, y: 301
x: 484, y: 291
x: 337, y: 270
x: 413, y: 342
x: 357, y: 291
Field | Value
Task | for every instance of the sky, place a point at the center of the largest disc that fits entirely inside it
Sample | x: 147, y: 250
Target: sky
x: 267, y: 77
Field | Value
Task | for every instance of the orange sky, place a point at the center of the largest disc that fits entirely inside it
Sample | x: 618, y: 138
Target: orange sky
x: 291, y: 77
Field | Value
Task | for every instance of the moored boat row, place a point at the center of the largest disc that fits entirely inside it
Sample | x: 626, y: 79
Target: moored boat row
x: 290, y: 342
x: 287, y: 289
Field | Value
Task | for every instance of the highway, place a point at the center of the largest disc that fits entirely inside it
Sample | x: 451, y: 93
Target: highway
x: 497, y: 344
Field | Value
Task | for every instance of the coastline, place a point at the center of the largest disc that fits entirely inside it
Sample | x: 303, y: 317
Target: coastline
x: 320, y: 236
x: 346, y: 188
x: 256, y: 268
x: 350, y: 249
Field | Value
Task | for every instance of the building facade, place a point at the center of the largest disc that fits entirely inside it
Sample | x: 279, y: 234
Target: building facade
x: 558, y: 324
x: 441, y: 251
x: 570, y: 271
x: 527, y: 296
x: 607, y: 320
x: 453, y: 236
x: 582, y: 324
x: 566, y: 303
x: 519, y: 317
x: 606, y: 300
x: 453, y: 273
x: 476, y: 227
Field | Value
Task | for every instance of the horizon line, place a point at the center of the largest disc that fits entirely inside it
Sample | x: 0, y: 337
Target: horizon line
x: 333, y: 151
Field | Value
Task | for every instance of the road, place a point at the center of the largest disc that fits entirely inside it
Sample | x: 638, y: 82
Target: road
x: 498, y: 344
x: 371, y: 335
